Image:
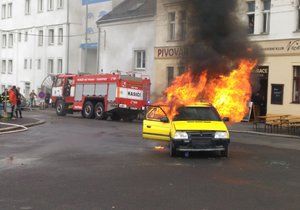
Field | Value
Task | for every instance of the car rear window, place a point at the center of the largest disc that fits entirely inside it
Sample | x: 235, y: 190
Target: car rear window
x: 197, y: 113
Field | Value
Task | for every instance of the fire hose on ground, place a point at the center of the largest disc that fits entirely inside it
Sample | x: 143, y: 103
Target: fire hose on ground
x: 16, y: 126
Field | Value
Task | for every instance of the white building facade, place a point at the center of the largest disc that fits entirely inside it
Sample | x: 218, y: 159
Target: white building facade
x: 127, y: 39
x: 41, y: 37
x: 275, y: 26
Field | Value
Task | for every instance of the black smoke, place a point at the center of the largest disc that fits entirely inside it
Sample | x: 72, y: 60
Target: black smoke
x: 217, y: 40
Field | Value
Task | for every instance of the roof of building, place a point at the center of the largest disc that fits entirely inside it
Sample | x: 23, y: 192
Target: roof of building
x: 130, y: 9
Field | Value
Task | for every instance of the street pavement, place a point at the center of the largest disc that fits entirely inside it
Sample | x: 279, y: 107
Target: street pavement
x: 73, y: 163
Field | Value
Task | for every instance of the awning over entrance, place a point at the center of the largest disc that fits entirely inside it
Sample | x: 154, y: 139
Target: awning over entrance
x: 89, y: 45
x: 84, y: 2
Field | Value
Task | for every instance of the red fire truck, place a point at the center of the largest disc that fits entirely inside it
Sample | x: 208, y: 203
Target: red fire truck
x: 100, y: 96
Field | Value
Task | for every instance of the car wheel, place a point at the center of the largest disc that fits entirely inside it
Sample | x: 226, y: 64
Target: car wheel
x: 60, y: 108
x: 99, y: 111
x: 172, y: 149
x: 128, y: 118
x: 88, y: 110
x: 115, y: 117
x: 224, y: 153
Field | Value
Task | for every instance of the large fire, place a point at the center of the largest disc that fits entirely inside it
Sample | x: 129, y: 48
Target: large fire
x: 229, y: 94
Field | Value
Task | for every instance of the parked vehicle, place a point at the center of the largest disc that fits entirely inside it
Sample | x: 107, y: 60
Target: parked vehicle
x: 195, y: 128
x: 101, y: 96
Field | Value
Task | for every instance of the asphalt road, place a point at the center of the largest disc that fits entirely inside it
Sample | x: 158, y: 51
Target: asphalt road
x: 73, y: 163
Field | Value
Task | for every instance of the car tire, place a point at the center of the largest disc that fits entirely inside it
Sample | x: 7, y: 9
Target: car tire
x: 128, y: 118
x: 60, y: 108
x: 88, y: 110
x: 224, y: 153
x: 172, y: 149
x: 115, y: 117
x: 99, y: 111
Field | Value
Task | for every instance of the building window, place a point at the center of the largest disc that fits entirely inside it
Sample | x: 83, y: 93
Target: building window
x: 266, y: 16
x: 296, y: 84
x: 181, y: 70
x: 27, y: 7
x: 26, y: 36
x: 40, y: 5
x: 60, y: 4
x: 25, y: 63
x: 3, y: 11
x: 50, y: 5
x: 9, y: 10
x: 10, y: 40
x: 3, y: 70
x: 39, y: 64
x: 51, y: 36
x: 4, y: 41
x: 10, y: 67
x: 19, y: 36
x: 183, y: 25
x: 298, y: 16
x: 50, y: 66
x: 41, y: 37
x: 59, y: 66
x: 140, y: 59
x: 251, y: 16
x: 30, y: 64
x: 172, y: 25
x: 60, y: 35
x: 170, y: 75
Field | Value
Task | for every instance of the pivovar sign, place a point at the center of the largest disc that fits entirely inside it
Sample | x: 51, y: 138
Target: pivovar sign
x: 169, y: 52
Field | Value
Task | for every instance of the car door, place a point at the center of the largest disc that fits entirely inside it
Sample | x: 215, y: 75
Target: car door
x: 156, y: 126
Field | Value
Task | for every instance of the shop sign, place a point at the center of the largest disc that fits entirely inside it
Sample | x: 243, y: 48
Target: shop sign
x: 281, y: 47
x: 277, y: 94
x: 169, y: 52
x: 261, y: 70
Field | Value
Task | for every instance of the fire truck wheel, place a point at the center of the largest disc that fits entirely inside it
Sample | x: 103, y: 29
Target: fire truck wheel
x: 60, y: 108
x: 99, y: 111
x: 88, y: 110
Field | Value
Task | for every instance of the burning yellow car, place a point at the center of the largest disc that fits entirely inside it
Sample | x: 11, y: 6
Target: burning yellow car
x: 195, y: 128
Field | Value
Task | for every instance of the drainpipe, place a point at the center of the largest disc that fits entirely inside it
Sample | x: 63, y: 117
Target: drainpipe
x: 98, y: 50
x: 68, y: 36
x: 86, y: 34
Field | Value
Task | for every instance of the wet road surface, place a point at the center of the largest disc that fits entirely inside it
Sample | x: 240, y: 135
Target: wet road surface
x: 74, y: 163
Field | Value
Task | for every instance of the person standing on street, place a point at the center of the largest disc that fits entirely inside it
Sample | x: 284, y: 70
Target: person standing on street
x: 19, y: 101
x: 32, y: 96
x: 13, y: 100
x: 4, y: 98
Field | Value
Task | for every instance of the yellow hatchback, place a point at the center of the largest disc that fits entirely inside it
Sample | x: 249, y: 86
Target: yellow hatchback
x: 195, y: 128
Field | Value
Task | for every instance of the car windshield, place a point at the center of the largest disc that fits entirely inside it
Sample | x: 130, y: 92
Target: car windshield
x: 197, y: 113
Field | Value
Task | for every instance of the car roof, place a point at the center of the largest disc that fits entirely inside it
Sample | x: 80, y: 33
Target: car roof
x: 197, y: 104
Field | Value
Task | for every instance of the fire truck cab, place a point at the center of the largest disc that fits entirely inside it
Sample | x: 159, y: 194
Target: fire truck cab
x: 100, y: 96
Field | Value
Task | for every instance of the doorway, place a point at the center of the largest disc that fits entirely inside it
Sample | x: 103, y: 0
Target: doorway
x: 259, y: 82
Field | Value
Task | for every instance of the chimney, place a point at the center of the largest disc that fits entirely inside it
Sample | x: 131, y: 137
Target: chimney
x: 116, y: 2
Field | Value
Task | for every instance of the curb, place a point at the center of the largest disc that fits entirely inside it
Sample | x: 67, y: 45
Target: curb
x: 39, y: 122
x: 266, y: 134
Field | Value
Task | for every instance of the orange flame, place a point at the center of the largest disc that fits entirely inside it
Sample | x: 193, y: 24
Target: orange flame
x: 228, y: 94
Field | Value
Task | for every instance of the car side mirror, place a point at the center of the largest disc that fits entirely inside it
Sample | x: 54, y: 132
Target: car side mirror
x: 164, y: 120
x: 226, y: 119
